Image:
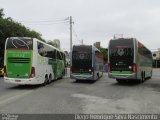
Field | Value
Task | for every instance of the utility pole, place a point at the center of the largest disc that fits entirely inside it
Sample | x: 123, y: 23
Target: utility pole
x: 71, y: 22
x: 82, y: 41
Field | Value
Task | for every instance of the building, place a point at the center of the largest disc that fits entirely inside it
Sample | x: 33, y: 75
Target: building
x: 67, y: 58
x: 156, y: 58
x: 97, y: 44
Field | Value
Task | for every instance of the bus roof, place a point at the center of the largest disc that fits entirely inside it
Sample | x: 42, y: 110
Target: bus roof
x: 36, y: 40
x: 95, y: 48
x: 130, y: 39
x: 123, y: 39
x: 49, y: 45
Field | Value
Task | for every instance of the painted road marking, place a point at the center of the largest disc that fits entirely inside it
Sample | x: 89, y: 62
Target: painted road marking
x: 13, y: 96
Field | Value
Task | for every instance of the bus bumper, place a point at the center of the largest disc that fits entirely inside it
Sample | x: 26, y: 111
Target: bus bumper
x: 122, y: 76
x: 82, y: 77
x: 30, y: 81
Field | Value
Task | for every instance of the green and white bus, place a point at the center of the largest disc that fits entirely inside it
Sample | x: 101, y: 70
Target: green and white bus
x: 129, y: 59
x: 31, y: 61
x: 87, y: 63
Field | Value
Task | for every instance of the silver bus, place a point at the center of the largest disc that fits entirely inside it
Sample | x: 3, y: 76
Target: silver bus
x: 87, y: 63
x: 129, y: 59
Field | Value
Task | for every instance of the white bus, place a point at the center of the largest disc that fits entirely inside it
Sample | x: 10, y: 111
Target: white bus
x: 87, y: 63
x: 129, y: 59
x: 31, y: 61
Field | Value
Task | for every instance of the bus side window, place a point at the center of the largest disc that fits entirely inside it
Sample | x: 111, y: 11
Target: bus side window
x: 61, y: 56
x: 41, y: 49
x: 54, y: 54
x: 58, y: 55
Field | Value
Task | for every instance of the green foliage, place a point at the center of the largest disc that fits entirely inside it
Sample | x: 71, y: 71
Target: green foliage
x: 52, y: 43
x: 105, y: 54
x: 55, y: 43
x: 10, y: 28
x: 1, y: 13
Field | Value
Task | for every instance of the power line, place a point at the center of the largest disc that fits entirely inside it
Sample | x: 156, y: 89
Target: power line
x: 76, y: 36
x: 44, y: 21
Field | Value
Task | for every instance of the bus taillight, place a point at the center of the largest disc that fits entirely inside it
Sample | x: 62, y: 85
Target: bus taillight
x: 134, y: 68
x: 33, y: 73
x: 109, y: 67
x: 5, y: 72
x: 91, y: 70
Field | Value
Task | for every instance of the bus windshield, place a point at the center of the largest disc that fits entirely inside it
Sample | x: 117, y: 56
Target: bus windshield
x: 81, y: 58
x: 121, y: 54
x: 19, y: 43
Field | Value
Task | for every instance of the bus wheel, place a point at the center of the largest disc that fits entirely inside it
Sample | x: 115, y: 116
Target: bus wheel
x: 142, y: 77
x: 98, y: 76
x: 45, y: 81
x: 77, y: 80
x: 119, y: 81
x: 50, y: 79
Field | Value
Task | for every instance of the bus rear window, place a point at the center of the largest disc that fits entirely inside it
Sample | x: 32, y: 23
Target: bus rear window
x: 82, y: 57
x: 19, y: 43
x: 121, y: 48
x: 82, y: 53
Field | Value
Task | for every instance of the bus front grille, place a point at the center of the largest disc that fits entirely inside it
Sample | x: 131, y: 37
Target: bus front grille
x: 18, y: 60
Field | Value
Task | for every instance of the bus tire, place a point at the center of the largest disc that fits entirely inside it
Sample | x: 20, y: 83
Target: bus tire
x: 50, y: 78
x: 98, y: 76
x: 142, y: 77
x: 119, y: 80
x: 77, y: 80
x: 45, y: 81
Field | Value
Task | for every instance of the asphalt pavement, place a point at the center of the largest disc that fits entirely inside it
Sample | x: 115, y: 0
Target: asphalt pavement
x: 67, y: 96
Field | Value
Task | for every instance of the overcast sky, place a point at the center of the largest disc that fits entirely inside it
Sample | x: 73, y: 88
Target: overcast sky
x: 94, y: 20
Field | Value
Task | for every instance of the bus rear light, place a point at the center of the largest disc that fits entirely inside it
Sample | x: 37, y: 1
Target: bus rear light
x: 33, y: 73
x: 109, y: 67
x: 91, y: 71
x: 5, y: 72
x: 134, y: 68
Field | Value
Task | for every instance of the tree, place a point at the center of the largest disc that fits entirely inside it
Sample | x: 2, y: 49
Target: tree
x: 105, y: 54
x: 55, y: 43
x: 11, y: 28
x: 1, y: 13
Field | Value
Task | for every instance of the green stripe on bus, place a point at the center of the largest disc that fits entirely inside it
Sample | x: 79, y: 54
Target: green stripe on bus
x: 19, y: 63
x: 123, y: 72
x: 81, y: 74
